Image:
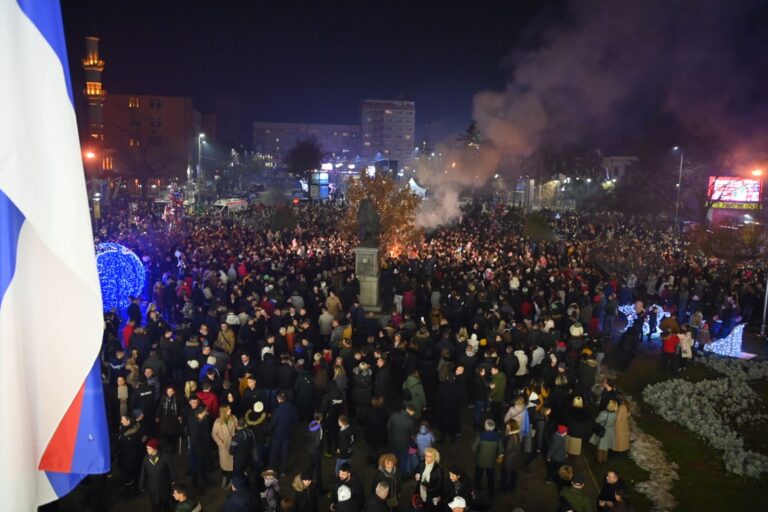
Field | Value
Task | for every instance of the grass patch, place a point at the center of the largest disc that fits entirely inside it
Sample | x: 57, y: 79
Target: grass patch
x: 704, y: 483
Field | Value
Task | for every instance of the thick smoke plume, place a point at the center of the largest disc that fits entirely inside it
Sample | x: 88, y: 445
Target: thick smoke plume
x: 607, y: 73
x: 614, y: 68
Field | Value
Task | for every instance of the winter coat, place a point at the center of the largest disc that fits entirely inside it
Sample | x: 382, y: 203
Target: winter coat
x: 577, y: 499
x: 556, y: 451
x: 449, y: 400
x: 346, y: 440
x: 376, y: 428
x: 513, y: 453
x: 400, y: 428
x: 168, y: 415
x: 393, y: 479
x: 608, y: 420
x: 434, y: 487
x: 362, y: 386
x: 621, y: 429
x: 579, y: 422
x: 222, y: 435
x: 381, y: 381
x: 306, y: 497
x: 487, y: 447
x: 157, y: 473
x: 424, y: 439
x: 283, y: 420
x: 356, y: 502
x: 129, y: 451
x: 240, y: 449
x: 241, y: 501
x: 417, y: 398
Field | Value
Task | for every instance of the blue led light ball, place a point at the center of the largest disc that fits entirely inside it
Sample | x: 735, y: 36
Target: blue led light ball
x: 121, y: 275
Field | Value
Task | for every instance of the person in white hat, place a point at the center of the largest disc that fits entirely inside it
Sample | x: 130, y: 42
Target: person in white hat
x: 458, y: 504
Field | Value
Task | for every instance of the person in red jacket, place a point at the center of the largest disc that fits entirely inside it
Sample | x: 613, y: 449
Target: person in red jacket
x: 669, y: 344
x: 209, y: 399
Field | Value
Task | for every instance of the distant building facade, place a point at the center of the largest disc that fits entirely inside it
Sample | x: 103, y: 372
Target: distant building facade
x: 153, y: 136
x: 617, y: 166
x: 277, y: 139
x: 387, y: 128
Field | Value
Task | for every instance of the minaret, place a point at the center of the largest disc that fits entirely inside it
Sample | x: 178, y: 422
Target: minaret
x: 95, y: 95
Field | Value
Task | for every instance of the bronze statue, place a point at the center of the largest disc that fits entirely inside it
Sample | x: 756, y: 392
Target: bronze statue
x: 368, y: 223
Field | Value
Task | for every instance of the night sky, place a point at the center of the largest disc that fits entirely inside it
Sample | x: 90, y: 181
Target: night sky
x: 306, y: 61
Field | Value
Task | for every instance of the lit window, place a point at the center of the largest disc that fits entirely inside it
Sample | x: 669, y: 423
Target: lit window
x: 133, y: 102
x: 133, y: 142
x: 366, y: 143
x: 387, y: 111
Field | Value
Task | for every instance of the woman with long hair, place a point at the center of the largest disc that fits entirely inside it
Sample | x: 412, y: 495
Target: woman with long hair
x: 607, y: 421
x: 513, y: 457
x: 429, y: 479
x: 222, y: 433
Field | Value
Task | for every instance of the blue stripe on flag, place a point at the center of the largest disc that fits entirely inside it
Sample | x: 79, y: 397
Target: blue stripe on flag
x: 46, y: 16
x: 92, y: 445
x: 63, y: 483
x: 11, y: 220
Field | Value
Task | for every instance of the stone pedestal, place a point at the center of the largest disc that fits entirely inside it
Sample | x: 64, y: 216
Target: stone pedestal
x: 367, y: 270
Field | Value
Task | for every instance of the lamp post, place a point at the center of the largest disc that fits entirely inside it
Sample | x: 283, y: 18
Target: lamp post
x: 200, y: 138
x: 679, y: 180
x: 758, y: 173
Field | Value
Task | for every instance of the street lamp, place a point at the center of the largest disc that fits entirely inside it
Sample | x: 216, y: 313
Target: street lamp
x: 200, y: 138
x: 679, y: 180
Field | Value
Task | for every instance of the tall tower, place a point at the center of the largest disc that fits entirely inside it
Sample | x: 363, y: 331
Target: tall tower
x: 95, y: 95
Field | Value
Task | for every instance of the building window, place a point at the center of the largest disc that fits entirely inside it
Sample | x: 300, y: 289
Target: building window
x: 366, y: 143
x: 155, y: 103
x: 155, y: 122
x: 133, y: 102
x: 133, y: 142
x: 106, y: 163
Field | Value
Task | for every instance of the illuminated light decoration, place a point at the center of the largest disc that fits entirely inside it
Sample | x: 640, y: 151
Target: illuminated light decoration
x: 121, y: 275
x: 730, y: 346
x: 628, y: 311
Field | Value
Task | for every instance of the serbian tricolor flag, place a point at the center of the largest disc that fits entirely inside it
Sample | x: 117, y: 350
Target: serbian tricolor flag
x: 53, y: 429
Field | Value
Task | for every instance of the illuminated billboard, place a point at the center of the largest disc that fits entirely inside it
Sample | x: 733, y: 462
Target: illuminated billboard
x: 734, y: 192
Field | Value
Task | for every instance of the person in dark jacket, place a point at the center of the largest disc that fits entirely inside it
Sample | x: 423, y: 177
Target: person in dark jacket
x: 381, y: 378
x: 377, y: 501
x: 449, y: 406
x: 376, y: 429
x: 487, y: 447
x: 387, y: 473
x: 606, y: 500
x: 157, y: 476
x: 346, y: 442
x: 241, y: 448
x: 313, y: 442
x: 579, y: 423
x: 304, y: 395
x: 169, y: 420
x: 241, y: 499
x: 347, y: 494
x: 513, y: 457
x: 556, y: 453
x: 306, y: 493
x: 362, y: 389
x: 401, y: 427
x: 129, y: 453
x: 252, y: 393
x: 283, y: 421
x: 199, y: 424
x: 268, y: 380
x: 458, y: 483
x: 429, y: 477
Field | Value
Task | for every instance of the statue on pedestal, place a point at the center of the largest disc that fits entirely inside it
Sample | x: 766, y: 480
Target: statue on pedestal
x: 369, y: 224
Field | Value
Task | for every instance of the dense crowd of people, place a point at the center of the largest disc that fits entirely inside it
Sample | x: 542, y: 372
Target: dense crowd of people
x: 251, y: 353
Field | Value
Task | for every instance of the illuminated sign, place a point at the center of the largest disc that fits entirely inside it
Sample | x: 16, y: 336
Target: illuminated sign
x: 724, y: 189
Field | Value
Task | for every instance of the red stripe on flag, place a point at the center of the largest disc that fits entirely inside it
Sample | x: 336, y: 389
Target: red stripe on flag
x: 58, y: 455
